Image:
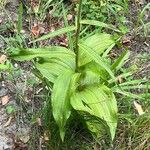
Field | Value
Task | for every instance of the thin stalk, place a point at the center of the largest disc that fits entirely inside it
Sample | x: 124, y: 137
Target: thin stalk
x: 77, y: 36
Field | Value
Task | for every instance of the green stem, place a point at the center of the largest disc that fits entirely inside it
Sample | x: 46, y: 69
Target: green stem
x: 77, y: 36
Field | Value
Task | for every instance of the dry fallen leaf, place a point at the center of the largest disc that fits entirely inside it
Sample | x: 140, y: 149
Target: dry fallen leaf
x: 120, y: 79
x: 3, y: 58
x: 23, y: 134
x: 139, y: 108
x: 46, y: 136
x: 39, y: 121
x: 140, y: 2
x: 35, y: 30
x: 126, y: 41
x: 69, y: 17
x: 8, y: 122
x: 19, y: 145
x: 25, y: 139
x: 5, y: 100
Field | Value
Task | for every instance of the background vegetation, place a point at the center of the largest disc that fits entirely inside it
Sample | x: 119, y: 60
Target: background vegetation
x: 114, y: 46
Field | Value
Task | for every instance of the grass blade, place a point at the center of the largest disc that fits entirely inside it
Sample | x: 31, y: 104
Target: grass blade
x: 121, y: 60
x: 66, y: 24
x: 133, y: 82
x: 100, y: 24
x: 55, y: 33
x: 19, y: 25
x: 128, y: 94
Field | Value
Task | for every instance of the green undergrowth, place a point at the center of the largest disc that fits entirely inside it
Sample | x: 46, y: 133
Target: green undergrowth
x: 85, y: 98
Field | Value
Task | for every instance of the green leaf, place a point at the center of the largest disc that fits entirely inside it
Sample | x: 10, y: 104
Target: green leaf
x: 68, y: 62
x: 51, y: 70
x: 89, y: 77
x: 98, y: 59
x: 6, y: 26
x: 4, y: 67
x: 121, y: 60
x: 60, y: 100
x: 98, y: 42
x: 10, y: 109
x: 94, y: 73
x: 47, y: 52
x: 56, y: 33
x: 98, y: 101
x: 100, y: 24
x: 75, y: 81
x: 46, y: 69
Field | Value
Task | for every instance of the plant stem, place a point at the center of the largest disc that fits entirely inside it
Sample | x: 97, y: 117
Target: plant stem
x: 77, y: 36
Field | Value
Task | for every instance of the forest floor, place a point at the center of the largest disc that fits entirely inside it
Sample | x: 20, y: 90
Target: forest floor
x: 20, y: 101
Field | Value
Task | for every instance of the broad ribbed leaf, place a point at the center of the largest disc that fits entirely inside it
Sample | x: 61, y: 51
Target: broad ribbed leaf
x: 91, y: 53
x: 98, y: 42
x: 93, y: 73
x: 74, y: 82
x: 99, y: 102
x: 68, y: 62
x: 56, y: 33
x: 89, y: 78
x: 46, y: 73
x: 48, y: 52
x: 52, y: 68
x: 100, y: 24
x: 120, y: 60
x: 60, y: 100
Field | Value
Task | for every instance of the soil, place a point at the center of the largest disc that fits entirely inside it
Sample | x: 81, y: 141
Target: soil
x: 13, y: 135
x: 6, y: 133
